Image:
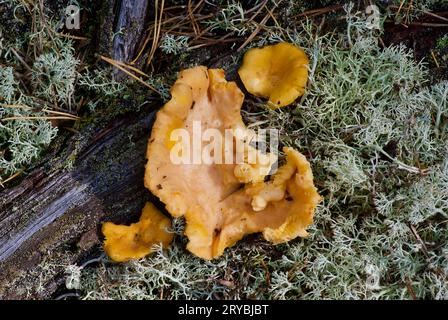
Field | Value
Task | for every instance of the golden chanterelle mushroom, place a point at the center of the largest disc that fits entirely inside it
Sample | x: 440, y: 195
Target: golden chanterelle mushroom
x: 278, y: 72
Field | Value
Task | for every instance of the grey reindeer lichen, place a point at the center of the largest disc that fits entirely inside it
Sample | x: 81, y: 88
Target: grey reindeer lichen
x: 375, y: 131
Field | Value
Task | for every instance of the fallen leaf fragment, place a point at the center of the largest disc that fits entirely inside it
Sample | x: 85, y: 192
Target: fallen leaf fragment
x: 223, y: 202
x: 278, y: 72
x: 124, y: 243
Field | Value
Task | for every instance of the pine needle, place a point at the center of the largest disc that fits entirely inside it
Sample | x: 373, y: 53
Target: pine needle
x: 157, y: 29
x: 24, y: 107
x: 15, y: 175
x: 121, y: 66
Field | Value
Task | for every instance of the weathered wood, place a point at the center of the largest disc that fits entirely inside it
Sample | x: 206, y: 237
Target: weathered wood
x: 57, y: 211
x: 129, y: 29
x: 123, y: 30
x: 54, y: 215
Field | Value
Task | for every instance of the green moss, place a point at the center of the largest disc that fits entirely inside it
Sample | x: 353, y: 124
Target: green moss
x: 442, y: 43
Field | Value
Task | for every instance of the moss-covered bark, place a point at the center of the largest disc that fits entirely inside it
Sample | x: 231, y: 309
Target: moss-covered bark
x: 46, y: 216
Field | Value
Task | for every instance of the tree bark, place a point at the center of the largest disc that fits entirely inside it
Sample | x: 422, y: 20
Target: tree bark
x: 124, y: 29
x: 129, y: 29
x: 52, y: 218
x: 54, y: 215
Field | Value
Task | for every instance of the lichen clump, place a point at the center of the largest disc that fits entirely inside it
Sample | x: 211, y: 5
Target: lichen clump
x: 374, y: 126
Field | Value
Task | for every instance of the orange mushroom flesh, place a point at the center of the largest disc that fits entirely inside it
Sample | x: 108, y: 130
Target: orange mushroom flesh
x: 278, y: 72
x: 223, y: 202
x: 124, y: 243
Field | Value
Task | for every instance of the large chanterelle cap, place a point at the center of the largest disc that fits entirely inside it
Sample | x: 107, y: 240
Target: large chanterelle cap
x: 223, y: 202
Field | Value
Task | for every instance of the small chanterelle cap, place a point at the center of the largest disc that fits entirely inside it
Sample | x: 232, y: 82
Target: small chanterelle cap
x: 124, y: 243
x: 278, y: 72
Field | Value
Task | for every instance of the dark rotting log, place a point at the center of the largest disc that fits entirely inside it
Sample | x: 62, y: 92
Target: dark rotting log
x: 129, y: 30
x: 57, y: 210
x: 123, y: 28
